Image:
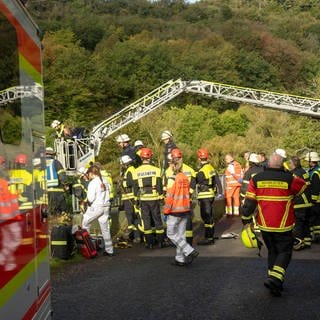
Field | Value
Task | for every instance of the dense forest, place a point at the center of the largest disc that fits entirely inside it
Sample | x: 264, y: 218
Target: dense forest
x: 101, y: 55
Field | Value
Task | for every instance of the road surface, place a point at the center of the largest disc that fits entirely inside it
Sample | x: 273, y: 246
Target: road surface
x: 224, y: 282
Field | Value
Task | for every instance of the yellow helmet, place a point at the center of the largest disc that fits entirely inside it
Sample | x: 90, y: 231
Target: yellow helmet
x: 249, y: 238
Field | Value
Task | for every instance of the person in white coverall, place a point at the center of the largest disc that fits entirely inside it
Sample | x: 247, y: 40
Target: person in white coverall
x: 98, y: 198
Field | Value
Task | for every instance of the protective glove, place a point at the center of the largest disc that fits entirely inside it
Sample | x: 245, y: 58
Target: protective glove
x: 219, y: 196
x: 240, y: 180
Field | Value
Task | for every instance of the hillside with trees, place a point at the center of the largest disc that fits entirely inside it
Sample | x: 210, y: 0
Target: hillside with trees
x: 99, y: 56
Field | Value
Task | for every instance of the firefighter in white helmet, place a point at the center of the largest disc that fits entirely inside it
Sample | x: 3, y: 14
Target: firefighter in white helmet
x: 127, y: 149
x: 169, y: 145
x: 253, y: 168
x: 282, y: 153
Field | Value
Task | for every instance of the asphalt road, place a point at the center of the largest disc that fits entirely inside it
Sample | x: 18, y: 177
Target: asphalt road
x: 224, y: 282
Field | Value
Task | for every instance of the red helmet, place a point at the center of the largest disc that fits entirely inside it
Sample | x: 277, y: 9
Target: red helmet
x: 21, y: 159
x: 202, y: 153
x: 145, y: 153
x: 176, y: 153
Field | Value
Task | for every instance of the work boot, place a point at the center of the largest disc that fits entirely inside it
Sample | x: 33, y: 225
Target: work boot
x: 192, y: 256
x: 275, y: 287
x: 178, y: 263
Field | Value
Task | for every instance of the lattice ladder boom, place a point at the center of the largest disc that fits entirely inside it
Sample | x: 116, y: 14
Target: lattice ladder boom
x: 136, y: 111
x: 263, y: 98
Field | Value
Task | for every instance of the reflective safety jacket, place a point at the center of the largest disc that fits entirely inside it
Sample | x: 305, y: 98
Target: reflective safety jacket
x: 54, y: 170
x: 272, y: 191
x: 9, y: 206
x: 147, y: 183
x: 233, y: 174
x: 187, y: 170
x: 304, y: 199
x: 314, y: 174
x: 206, y: 181
x: 127, y: 184
x: 177, y: 200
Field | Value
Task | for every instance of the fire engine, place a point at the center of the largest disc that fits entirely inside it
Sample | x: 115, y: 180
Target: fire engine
x: 24, y: 252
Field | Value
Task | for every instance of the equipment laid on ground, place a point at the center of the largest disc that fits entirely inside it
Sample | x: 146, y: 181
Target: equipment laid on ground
x: 86, y: 246
x: 62, y: 242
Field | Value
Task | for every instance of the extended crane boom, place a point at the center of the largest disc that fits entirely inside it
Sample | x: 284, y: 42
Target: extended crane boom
x: 84, y: 150
x: 135, y: 111
x: 267, y: 99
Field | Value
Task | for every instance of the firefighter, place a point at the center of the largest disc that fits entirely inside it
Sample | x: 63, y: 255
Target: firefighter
x: 127, y: 149
x: 169, y: 145
x: 302, y: 206
x: 282, y: 153
x: 234, y: 178
x: 207, y: 181
x: 176, y: 156
x: 178, y: 208
x: 314, y: 173
x: 62, y: 131
x: 127, y: 198
x: 21, y: 181
x: 148, y: 192
x: 272, y: 191
x: 253, y: 169
x: 56, y: 184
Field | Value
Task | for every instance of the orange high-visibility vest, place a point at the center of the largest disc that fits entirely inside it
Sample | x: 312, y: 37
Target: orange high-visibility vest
x: 178, y: 195
x: 233, y: 177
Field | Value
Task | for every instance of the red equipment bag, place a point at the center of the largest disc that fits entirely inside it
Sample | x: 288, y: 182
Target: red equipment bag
x: 86, y: 246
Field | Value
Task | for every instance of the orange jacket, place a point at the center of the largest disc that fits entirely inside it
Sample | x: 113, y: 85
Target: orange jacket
x: 234, y: 177
x: 178, y: 195
x: 9, y: 206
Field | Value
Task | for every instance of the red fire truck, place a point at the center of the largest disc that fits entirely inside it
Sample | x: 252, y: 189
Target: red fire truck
x: 24, y: 254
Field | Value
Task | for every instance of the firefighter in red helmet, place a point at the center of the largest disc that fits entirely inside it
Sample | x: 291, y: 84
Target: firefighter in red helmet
x: 148, y: 192
x: 207, y: 183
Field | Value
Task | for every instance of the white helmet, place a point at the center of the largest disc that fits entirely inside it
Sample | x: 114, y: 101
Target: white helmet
x: 138, y: 143
x: 281, y: 153
x: 49, y: 150
x: 82, y: 170
x: 55, y: 124
x: 312, y: 156
x: 125, y: 159
x: 122, y: 138
x: 253, y: 158
x: 166, y: 135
